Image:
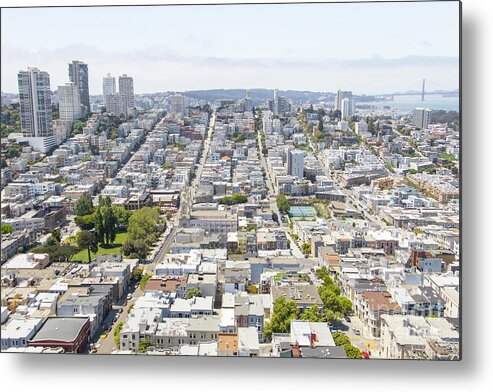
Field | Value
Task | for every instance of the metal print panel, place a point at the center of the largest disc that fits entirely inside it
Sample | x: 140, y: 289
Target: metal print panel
x: 244, y: 180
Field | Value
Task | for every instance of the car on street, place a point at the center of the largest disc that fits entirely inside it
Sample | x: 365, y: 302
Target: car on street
x: 348, y: 319
x: 357, y: 332
x: 129, y: 296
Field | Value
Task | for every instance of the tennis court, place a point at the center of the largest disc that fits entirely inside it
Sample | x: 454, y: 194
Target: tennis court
x: 303, y: 212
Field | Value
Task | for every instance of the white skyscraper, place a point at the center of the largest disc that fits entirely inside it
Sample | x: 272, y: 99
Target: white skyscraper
x: 109, y: 87
x: 126, y: 90
x: 69, y: 102
x: 340, y: 96
x: 347, y: 109
x: 421, y: 118
x: 35, y: 103
x: 296, y: 163
x: 35, y: 108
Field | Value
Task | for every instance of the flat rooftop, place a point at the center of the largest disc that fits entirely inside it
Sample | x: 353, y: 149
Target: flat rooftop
x: 60, y: 328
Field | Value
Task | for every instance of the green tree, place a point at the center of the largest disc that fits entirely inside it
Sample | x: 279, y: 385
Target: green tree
x: 109, y: 225
x: 77, y: 127
x: 6, y: 228
x: 57, y: 253
x: 144, y: 346
x: 340, y: 339
x: 137, y: 274
x: 99, y: 225
x: 118, y: 328
x: 306, y: 247
x: 236, y: 198
x: 143, y: 281
x: 85, y: 222
x: 122, y: 216
x: 87, y: 240
x: 344, y: 305
x: 284, y: 312
x: 84, y: 206
x: 252, y: 289
x: 313, y: 314
x: 51, y: 241
x: 142, y: 231
x: 283, y: 204
x: 352, y: 351
x: 56, y: 235
x: 194, y: 292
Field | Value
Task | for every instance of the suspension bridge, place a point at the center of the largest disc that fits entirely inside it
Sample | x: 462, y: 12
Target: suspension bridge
x: 419, y: 88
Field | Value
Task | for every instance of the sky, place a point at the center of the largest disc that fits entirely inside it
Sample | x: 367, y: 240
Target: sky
x: 367, y: 48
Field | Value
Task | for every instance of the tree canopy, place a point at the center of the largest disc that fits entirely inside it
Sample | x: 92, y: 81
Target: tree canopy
x: 6, y: 228
x: 194, y: 292
x: 284, y: 312
x: 283, y: 204
x: 84, y: 206
x: 236, y: 198
x: 143, y: 231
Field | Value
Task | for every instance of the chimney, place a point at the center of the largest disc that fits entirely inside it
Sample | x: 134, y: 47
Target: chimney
x: 313, y: 340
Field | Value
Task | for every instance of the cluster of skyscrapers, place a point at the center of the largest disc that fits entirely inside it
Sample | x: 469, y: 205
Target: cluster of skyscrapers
x: 121, y: 102
x: 344, y: 102
x: 35, y: 99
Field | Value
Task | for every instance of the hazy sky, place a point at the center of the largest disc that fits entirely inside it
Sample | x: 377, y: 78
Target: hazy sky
x: 367, y: 48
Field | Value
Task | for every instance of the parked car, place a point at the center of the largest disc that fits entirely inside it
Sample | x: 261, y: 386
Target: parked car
x: 348, y: 319
x: 129, y: 296
x: 357, y: 332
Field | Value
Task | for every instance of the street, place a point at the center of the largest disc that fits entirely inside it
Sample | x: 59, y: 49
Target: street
x: 107, y: 345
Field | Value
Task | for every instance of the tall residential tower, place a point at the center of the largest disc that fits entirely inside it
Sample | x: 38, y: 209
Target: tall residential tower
x: 69, y: 102
x: 126, y: 90
x: 35, y: 106
x: 79, y: 76
x: 35, y: 103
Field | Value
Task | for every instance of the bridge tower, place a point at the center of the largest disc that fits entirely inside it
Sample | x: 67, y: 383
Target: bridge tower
x: 423, y: 91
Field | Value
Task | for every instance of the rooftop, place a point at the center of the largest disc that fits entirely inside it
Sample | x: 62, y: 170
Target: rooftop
x: 60, y: 328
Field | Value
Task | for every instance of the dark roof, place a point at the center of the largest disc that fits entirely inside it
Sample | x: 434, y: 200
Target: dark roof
x: 323, y: 352
x: 431, y: 295
x: 64, y: 329
x: 454, y: 321
x: 113, y: 257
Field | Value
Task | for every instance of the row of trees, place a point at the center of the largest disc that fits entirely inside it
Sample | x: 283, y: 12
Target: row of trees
x: 342, y: 340
x: 335, y: 305
x: 236, y: 198
x: 283, y: 204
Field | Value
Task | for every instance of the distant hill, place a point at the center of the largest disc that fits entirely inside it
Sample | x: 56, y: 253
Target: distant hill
x: 259, y: 95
